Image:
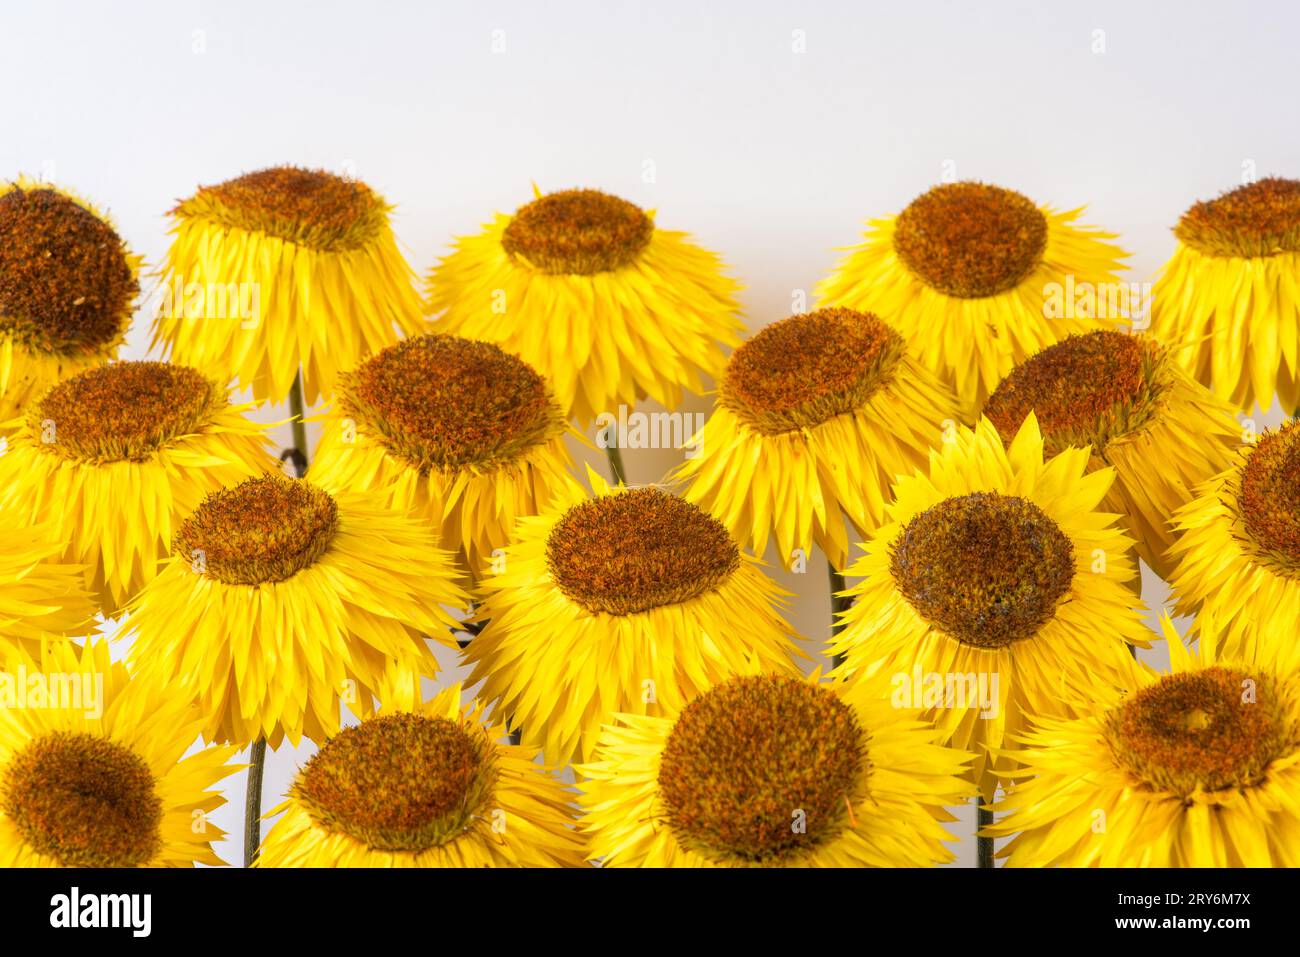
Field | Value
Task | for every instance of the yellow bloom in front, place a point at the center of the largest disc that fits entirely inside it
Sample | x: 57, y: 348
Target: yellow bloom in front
x: 97, y: 774
x: 1239, y: 555
x: 994, y: 586
x: 280, y: 269
x: 456, y: 432
x: 116, y: 456
x: 978, y: 278
x: 1124, y: 397
x: 769, y: 770
x: 633, y: 600
x: 68, y: 286
x: 1228, y: 300
x: 1195, y: 768
x: 588, y: 291
x: 41, y: 595
x: 424, y: 785
x: 816, y: 416
x: 281, y: 600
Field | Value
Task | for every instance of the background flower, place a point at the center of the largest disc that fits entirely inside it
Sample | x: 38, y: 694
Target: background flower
x: 586, y: 289
x: 1228, y: 300
x: 424, y: 785
x: 816, y: 415
x: 963, y: 272
x: 289, y: 268
x: 68, y: 285
x: 116, y: 456
x: 106, y: 786
x: 771, y: 771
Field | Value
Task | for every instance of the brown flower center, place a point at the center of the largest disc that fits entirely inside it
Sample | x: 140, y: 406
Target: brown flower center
x: 578, y: 232
x: 807, y: 369
x: 66, y: 283
x: 759, y: 769
x: 1259, y: 219
x: 970, y: 240
x: 399, y: 782
x: 263, y: 530
x: 632, y: 551
x: 1268, y: 496
x: 984, y: 568
x: 306, y: 207
x: 124, y: 411
x: 1208, y: 730
x: 84, y: 801
x: 444, y: 403
x: 1085, y: 390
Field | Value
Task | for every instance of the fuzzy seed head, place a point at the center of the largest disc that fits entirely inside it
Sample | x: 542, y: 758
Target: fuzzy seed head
x: 970, y: 240
x: 124, y: 411
x: 260, y: 531
x: 1087, y: 389
x: 1255, y: 220
x: 807, y: 369
x: 986, y: 569
x: 66, y: 284
x: 632, y: 551
x: 310, y: 208
x: 1268, y: 496
x: 1209, y: 730
x: 400, y: 782
x: 751, y: 757
x: 578, y: 232
x: 444, y: 403
x: 84, y: 800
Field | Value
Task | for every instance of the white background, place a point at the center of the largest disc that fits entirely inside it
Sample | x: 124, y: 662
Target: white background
x: 772, y: 156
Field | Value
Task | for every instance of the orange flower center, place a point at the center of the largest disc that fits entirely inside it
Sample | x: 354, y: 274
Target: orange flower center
x: 84, y: 800
x: 807, y: 369
x: 399, y: 782
x: 444, y: 403
x: 1268, y: 496
x: 578, y: 232
x: 306, y: 207
x: 66, y: 283
x: 124, y: 411
x: 1209, y: 730
x: 1085, y: 390
x: 970, y: 240
x: 760, y: 769
x: 986, y: 569
x: 631, y: 551
x: 263, y: 530
x: 1259, y: 219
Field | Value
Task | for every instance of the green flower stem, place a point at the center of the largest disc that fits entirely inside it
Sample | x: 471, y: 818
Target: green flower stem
x: 257, y: 754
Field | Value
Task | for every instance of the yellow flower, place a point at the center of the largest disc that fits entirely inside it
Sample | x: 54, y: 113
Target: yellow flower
x: 97, y: 775
x: 450, y: 430
x: 1125, y: 398
x: 588, y: 291
x: 1228, y: 301
x: 816, y: 416
x: 1195, y: 768
x: 281, y: 600
x: 1239, y: 554
x: 424, y: 785
x: 769, y: 770
x: 967, y: 273
x: 41, y: 595
x: 115, y: 456
x: 68, y: 286
x: 995, y: 585
x: 281, y: 269
x: 633, y: 601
